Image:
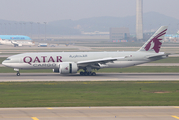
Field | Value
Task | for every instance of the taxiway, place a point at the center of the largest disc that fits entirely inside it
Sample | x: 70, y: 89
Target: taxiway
x: 91, y: 113
x: 5, y: 77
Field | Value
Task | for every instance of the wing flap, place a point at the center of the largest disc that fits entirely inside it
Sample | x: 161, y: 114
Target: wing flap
x: 104, y: 60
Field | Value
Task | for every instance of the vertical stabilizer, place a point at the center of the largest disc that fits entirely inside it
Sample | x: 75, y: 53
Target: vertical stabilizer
x: 155, y: 42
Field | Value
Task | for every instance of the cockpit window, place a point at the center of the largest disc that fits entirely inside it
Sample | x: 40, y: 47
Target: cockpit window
x: 8, y: 59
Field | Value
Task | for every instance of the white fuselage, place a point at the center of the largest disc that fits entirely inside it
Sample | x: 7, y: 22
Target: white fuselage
x: 52, y: 60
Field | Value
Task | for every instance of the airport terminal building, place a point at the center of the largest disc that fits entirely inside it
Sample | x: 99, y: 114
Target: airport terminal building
x: 119, y: 34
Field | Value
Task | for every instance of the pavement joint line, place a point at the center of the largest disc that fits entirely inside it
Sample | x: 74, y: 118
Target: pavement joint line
x: 175, y: 117
x: 34, y: 118
x: 104, y: 79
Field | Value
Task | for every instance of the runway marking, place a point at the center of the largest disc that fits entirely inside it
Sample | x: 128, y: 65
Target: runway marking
x: 176, y: 117
x: 22, y: 80
x: 176, y: 107
x: 49, y: 108
x: 147, y: 82
x: 105, y: 80
x: 34, y: 118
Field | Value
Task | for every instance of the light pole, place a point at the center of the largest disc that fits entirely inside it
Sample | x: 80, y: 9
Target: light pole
x: 31, y: 28
x: 45, y: 29
x: 5, y: 28
x: 24, y: 28
x: 1, y: 27
x: 16, y: 28
x: 150, y: 27
x: 169, y: 28
x: 9, y: 28
x: 39, y: 29
x: 20, y: 28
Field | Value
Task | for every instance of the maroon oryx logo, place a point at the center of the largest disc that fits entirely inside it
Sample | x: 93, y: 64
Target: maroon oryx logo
x: 156, y: 44
x: 66, y: 68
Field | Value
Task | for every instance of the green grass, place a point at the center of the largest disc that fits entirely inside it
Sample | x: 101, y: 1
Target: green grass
x: 2, y: 59
x: 58, y: 94
x: 134, y: 69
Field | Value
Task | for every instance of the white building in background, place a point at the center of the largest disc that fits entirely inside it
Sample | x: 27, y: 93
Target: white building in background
x: 119, y: 34
x: 95, y: 33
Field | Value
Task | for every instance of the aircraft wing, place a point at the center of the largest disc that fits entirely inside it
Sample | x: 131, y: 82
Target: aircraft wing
x: 102, y: 61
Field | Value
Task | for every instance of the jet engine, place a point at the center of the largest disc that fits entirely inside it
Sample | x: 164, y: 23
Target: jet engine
x: 67, y: 68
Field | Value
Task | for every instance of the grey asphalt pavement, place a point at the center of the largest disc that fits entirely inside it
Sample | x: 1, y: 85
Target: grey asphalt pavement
x: 5, y: 77
x: 91, y: 113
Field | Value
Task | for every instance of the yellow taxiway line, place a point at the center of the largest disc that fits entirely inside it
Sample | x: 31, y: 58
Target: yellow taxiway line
x: 175, y: 117
x: 34, y: 118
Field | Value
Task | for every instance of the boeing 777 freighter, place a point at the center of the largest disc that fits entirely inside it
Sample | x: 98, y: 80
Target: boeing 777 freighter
x: 71, y: 62
x: 16, y: 40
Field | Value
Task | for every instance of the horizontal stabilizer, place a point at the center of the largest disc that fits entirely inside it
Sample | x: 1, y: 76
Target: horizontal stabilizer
x: 161, y: 55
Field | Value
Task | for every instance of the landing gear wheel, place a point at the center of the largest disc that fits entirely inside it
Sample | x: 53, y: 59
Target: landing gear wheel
x: 81, y: 73
x: 89, y: 73
x: 93, y: 74
x: 85, y: 73
x: 18, y: 74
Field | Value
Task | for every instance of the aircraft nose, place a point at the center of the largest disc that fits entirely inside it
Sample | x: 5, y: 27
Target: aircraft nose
x: 4, y: 63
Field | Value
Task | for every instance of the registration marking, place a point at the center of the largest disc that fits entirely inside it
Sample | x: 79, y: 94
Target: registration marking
x: 34, y: 118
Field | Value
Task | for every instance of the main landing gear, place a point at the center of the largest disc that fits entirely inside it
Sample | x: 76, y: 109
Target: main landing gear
x: 88, y: 73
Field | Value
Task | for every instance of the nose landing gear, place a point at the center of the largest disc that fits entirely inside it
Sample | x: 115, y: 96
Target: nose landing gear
x: 17, y: 70
x: 18, y: 74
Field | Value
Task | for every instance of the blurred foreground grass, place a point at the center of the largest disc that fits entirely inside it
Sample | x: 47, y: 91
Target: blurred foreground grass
x: 58, y: 94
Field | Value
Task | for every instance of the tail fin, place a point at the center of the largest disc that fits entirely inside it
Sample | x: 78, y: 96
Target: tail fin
x: 155, y: 42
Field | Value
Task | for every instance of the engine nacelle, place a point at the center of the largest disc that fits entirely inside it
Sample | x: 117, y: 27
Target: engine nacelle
x: 20, y: 45
x: 68, y: 68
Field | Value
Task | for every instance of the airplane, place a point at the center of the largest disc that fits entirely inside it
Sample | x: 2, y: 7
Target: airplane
x: 71, y: 62
x: 16, y: 40
x: 42, y: 45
